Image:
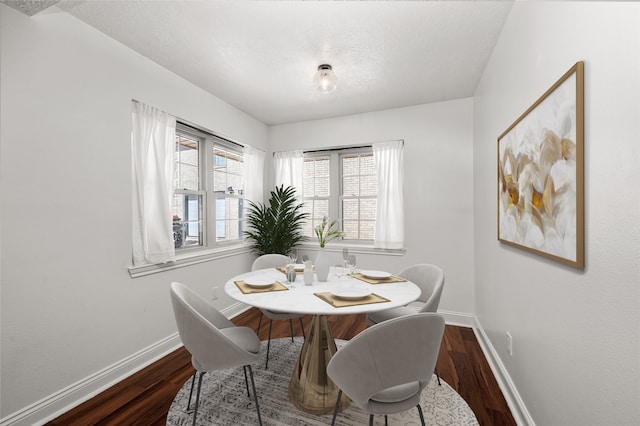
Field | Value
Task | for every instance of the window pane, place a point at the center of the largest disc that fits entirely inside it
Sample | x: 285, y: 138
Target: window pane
x: 322, y: 187
x: 368, y: 209
x: 367, y: 230
x: 316, y: 177
x: 186, y: 157
x: 235, y: 184
x: 367, y: 165
x: 350, y: 228
x: 350, y: 209
x: 350, y: 165
x: 228, y: 171
x: 187, y: 220
x: 308, y: 186
x: 234, y: 165
x: 350, y: 186
x: 317, y: 189
x: 219, y: 181
x: 359, y: 180
x: 228, y: 218
x: 320, y: 209
x: 322, y: 166
x: 369, y: 185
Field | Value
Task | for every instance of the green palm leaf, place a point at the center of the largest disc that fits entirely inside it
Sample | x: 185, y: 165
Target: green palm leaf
x: 276, y: 227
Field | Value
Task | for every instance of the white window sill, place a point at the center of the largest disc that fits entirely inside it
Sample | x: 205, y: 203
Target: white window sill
x: 353, y: 248
x: 188, y: 259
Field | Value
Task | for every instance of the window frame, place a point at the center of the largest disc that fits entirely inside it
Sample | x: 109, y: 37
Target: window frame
x: 208, y: 142
x: 341, y: 197
x: 335, y: 188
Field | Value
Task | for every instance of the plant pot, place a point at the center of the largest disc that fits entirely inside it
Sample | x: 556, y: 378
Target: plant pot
x: 322, y: 265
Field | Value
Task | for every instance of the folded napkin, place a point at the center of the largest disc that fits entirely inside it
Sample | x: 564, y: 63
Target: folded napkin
x: 247, y: 289
x: 387, y: 280
x: 284, y: 270
x: 337, y: 302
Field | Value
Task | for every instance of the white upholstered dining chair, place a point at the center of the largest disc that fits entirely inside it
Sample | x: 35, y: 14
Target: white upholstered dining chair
x: 214, y: 342
x: 385, y: 368
x: 430, y: 279
x: 274, y: 261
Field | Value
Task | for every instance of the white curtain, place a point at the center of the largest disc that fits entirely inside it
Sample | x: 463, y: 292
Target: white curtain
x: 388, y: 157
x: 152, y: 152
x: 289, y: 170
x: 253, y: 174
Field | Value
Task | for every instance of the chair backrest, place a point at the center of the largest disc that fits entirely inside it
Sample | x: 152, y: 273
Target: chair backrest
x: 430, y: 279
x: 199, y: 325
x: 396, y: 352
x: 270, y: 261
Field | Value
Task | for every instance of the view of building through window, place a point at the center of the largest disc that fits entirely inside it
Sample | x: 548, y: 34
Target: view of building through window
x: 316, y: 191
x: 342, y: 185
x: 359, y: 191
x: 228, y: 169
x: 187, y: 202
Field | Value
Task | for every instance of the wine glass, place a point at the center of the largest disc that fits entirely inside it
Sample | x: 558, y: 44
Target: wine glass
x: 351, y: 263
x: 345, y: 256
x: 338, y: 271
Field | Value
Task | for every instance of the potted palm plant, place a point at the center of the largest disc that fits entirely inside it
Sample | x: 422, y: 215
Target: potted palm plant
x: 276, y: 226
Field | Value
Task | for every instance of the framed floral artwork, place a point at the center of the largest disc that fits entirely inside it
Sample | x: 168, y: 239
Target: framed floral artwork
x: 541, y: 174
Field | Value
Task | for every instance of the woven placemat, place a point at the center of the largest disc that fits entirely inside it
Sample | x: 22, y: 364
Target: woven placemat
x: 284, y: 270
x: 387, y: 280
x: 247, y: 289
x: 343, y: 303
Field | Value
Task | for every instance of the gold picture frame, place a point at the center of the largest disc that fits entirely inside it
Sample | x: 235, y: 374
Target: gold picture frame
x: 541, y: 174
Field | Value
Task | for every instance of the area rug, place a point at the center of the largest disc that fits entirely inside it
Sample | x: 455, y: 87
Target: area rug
x: 224, y: 401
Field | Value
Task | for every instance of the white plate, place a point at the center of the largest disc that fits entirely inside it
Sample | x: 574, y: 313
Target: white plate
x: 258, y: 283
x: 299, y: 267
x: 375, y: 274
x: 351, y: 294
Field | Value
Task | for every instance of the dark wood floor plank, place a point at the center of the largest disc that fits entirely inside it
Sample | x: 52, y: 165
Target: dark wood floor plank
x: 145, y: 397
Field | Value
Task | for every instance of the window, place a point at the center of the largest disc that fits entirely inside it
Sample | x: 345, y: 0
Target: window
x: 208, y: 195
x: 316, y: 191
x: 358, y: 196
x: 342, y: 184
x: 228, y: 187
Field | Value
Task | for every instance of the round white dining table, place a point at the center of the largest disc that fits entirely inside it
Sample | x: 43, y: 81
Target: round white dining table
x: 310, y: 389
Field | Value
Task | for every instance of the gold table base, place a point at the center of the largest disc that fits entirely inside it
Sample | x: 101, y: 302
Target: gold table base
x: 310, y: 388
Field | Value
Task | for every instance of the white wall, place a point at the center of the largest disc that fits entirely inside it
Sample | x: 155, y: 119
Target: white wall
x: 69, y: 307
x: 576, y: 333
x: 438, y: 184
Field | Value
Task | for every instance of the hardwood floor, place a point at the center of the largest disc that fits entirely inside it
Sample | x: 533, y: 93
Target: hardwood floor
x: 144, y: 398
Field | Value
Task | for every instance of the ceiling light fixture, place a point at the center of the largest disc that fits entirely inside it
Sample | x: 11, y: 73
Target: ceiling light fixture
x: 325, y: 79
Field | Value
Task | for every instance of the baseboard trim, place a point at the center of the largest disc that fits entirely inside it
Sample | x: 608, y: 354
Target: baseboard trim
x: 508, y: 388
x: 234, y: 310
x: 457, y: 318
x: 67, y: 398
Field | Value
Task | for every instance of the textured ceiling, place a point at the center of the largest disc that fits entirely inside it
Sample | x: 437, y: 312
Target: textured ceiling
x: 260, y: 56
x: 29, y: 7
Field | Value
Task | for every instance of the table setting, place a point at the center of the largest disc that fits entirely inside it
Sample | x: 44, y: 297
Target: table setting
x: 345, y: 290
